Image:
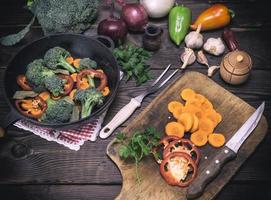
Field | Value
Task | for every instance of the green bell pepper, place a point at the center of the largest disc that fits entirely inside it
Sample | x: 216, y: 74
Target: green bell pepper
x: 179, y: 22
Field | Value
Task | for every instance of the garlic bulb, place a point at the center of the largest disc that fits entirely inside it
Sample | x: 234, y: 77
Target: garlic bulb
x: 212, y: 70
x: 188, y: 56
x: 194, y: 39
x: 214, y: 46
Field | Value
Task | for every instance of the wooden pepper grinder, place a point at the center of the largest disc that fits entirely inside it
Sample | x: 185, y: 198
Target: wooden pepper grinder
x: 236, y: 65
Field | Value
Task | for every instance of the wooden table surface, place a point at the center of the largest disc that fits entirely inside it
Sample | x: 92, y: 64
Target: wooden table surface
x: 46, y: 170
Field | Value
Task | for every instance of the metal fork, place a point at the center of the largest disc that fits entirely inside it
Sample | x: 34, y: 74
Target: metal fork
x: 129, y: 109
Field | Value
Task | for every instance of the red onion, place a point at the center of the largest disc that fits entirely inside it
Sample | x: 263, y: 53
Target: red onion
x: 113, y: 27
x: 134, y: 15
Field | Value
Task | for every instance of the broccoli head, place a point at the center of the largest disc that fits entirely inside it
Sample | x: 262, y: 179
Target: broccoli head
x: 88, y: 98
x: 34, y: 75
x: 87, y: 63
x: 55, y: 58
x: 58, y: 111
x: 55, y: 85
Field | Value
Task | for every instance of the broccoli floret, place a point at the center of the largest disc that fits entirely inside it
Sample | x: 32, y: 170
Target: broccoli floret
x: 88, y: 98
x: 58, y: 111
x: 55, y: 85
x: 87, y: 63
x: 56, y: 57
x: 34, y: 75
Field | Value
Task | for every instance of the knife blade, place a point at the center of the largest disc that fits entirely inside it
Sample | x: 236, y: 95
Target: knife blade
x: 225, y: 154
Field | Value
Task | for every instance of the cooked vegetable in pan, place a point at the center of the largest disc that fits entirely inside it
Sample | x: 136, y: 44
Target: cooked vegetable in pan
x: 55, y: 88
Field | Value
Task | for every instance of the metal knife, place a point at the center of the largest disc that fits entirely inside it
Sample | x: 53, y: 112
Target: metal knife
x: 225, y: 154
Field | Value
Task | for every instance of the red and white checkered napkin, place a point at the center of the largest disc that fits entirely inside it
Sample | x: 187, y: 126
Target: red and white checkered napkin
x: 72, y: 139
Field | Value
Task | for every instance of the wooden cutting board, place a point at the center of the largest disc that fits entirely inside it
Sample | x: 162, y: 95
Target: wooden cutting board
x: 234, y: 111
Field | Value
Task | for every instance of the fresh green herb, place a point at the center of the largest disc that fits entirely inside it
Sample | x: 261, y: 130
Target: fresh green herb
x: 132, y: 60
x: 138, y: 146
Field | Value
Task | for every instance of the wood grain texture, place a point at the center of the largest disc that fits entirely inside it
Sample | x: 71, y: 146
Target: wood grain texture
x: 234, y: 111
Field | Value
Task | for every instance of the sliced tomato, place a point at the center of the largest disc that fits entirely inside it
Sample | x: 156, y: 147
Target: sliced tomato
x: 184, y: 146
x: 22, y: 82
x: 93, y: 73
x: 163, y: 143
x: 178, y: 169
x: 32, y: 107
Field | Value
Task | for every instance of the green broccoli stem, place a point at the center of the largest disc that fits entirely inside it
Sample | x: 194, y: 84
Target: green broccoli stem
x: 86, y: 109
x: 91, y: 81
x: 66, y: 65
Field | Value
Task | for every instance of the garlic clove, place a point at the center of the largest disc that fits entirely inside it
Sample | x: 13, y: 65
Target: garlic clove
x: 189, y: 56
x: 212, y: 70
x: 202, y: 59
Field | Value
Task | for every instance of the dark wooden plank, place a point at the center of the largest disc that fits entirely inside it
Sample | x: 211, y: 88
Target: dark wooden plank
x: 103, y: 192
x: 56, y: 192
x: 255, y: 41
x: 15, y: 13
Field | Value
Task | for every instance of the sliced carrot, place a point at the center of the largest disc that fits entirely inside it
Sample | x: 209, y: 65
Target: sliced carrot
x: 74, y: 75
x: 212, y: 115
x: 174, y: 129
x: 200, y: 98
x: 190, y: 107
x: 193, y: 102
x: 106, y: 91
x: 187, y: 94
x: 206, y: 105
x: 186, y: 119
x: 216, y: 140
x: 199, y: 138
x: 76, y: 62
x: 219, y: 117
x: 206, y: 125
x: 177, y: 112
x: 195, y: 126
x: 174, y: 105
x: 45, y: 95
x: 72, y: 93
x: 69, y: 60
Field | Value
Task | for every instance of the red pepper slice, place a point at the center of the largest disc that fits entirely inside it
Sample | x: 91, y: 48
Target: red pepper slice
x: 68, y: 85
x: 22, y: 82
x: 178, y: 169
x: 162, y: 144
x: 33, y: 107
x: 184, y: 146
x: 93, y: 73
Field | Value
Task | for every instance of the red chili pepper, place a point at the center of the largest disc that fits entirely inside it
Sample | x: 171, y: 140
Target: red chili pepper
x: 162, y: 144
x: 22, y: 82
x: 184, y: 146
x: 33, y: 107
x: 93, y: 73
x: 68, y: 85
x: 178, y: 169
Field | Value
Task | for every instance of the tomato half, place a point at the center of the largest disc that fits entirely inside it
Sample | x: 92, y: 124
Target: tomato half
x: 178, y: 169
x: 184, y: 146
x: 159, y: 149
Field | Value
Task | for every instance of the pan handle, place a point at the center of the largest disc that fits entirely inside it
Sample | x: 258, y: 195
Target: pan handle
x: 106, y: 41
x: 9, y: 119
x: 230, y: 40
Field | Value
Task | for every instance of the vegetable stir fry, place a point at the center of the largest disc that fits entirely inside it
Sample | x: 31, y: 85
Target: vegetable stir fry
x: 57, y: 86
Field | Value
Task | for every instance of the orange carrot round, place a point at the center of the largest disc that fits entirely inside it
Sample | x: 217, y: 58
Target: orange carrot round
x: 216, y: 140
x: 174, y: 105
x: 187, y: 94
x: 199, y: 138
x: 186, y: 119
x: 174, y: 129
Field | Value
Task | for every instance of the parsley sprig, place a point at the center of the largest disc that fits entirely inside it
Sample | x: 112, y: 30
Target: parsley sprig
x: 138, y: 146
x: 132, y: 60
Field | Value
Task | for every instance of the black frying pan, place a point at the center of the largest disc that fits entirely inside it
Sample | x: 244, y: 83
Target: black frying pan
x: 97, y: 48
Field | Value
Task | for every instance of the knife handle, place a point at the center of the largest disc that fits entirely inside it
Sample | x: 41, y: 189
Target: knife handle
x: 215, y: 165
